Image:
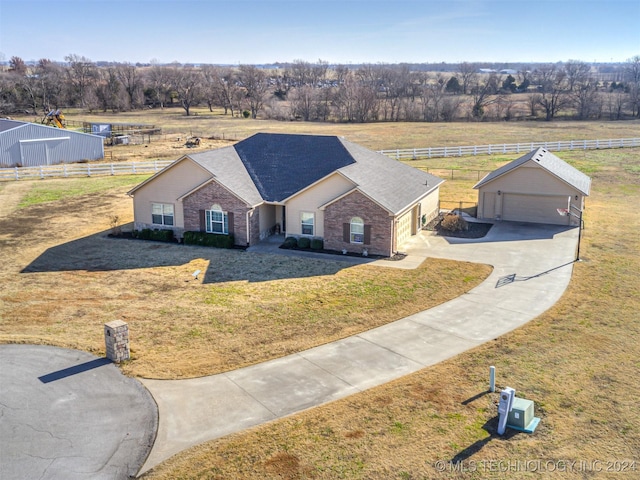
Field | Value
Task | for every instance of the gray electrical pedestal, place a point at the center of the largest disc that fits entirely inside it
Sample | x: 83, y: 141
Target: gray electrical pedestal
x: 521, y: 417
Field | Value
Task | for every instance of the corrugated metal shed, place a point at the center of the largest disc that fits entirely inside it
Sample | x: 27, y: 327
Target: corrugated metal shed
x: 29, y: 144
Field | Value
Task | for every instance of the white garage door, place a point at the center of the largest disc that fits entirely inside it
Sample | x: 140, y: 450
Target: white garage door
x: 534, y: 208
x: 404, y: 228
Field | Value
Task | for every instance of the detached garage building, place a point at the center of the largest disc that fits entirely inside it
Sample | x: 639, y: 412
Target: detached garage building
x: 531, y: 189
x: 30, y: 145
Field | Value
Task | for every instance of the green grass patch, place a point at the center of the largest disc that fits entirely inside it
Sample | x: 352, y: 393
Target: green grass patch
x: 63, y: 189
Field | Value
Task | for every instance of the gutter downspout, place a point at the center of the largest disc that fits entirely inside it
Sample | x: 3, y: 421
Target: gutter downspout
x: 249, y: 228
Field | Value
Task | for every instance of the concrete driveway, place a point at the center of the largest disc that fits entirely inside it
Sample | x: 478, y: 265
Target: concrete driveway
x: 66, y: 414
x: 532, y: 268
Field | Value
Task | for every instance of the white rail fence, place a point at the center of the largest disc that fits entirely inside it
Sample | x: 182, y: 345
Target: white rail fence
x: 443, y: 152
x: 129, y: 168
x: 82, y: 170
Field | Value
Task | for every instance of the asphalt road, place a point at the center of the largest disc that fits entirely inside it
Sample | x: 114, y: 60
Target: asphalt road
x: 66, y: 414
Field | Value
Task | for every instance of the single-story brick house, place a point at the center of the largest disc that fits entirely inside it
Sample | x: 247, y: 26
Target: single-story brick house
x: 314, y: 186
x: 531, y: 189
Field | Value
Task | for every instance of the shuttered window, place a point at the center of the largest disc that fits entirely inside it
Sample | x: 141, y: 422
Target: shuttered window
x: 356, y: 230
x: 216, y: 220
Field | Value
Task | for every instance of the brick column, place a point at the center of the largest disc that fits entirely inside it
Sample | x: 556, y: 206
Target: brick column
x: 116, y: 339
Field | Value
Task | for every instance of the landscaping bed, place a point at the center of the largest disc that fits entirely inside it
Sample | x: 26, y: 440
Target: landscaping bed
x: 472, y: 230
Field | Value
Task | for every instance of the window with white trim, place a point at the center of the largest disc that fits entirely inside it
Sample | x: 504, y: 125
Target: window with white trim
x: 216, y: 220
x: 356, y: 230
x: 162, y: 214
x: 306, y: 220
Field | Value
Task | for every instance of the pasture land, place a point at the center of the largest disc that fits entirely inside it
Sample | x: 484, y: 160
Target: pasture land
x: 214, y: 127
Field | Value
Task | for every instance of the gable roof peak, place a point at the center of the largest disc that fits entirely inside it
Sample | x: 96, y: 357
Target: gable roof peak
x: 551, y: 163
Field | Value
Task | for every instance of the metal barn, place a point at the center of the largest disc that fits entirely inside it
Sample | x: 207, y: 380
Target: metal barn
x: 30, y: 145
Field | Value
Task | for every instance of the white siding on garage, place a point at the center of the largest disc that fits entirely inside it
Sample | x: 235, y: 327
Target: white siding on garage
x: 534, y: 208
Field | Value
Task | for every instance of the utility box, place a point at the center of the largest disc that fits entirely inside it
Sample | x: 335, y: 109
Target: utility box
x: 521, y: 417
x: 116, y: 340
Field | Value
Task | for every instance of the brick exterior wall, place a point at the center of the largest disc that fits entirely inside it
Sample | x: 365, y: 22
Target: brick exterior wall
x: 205, y: 197
x: 357, y: 205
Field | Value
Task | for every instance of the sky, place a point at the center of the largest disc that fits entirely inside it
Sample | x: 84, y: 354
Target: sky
x: 335, y: 31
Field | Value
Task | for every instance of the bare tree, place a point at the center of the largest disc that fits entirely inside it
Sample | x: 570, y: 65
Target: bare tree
x: 9, y: 94
x: 17, y: 66
x: 52, y: 83
x: 109, y: 90
x: 578, y: 74
x: 303, y: 102
x: 300, y: 73
x: 357, y: 101
x: 615, y: 103
x: 82, y: 75
x: 319, y: 72
x: 341, y: 71
x: 431, y: 96
x: 483, y: 89
x: 467, y: 75
x: 129, y: 77
x: 254, y: 81
x: 159, y: 77
x: 187, y: 83
x: 396, y: 83
x: 632, y: 77
x: 553, y: 85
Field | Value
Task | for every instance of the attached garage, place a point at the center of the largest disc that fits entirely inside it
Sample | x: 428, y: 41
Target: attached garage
x: 531, y: 189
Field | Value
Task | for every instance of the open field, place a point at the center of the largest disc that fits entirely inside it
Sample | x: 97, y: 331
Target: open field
x: 376, y: 136
x: 579, y: 361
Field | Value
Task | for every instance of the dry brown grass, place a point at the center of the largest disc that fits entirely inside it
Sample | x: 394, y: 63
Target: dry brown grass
x: 578, y: 362
x: 377, y: 136
x: 64, y: 278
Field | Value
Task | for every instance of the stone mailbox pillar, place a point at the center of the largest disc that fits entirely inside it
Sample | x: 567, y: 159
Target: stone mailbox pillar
x: 116, y: 339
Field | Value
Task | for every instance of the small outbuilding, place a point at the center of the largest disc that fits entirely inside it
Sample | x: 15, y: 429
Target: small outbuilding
x: 531, y: 189
x: 24, y: 144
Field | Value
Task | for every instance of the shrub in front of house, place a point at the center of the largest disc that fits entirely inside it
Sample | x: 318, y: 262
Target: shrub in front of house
x: 304, y: 242
x: 317, y: 244
x: 155, y: 234
x: 208, y: 239
x: 290, y: 242
x: 454, y: 223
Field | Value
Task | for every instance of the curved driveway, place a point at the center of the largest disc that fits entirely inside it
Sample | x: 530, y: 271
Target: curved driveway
x: 66, y: 414
x: 532, y: 268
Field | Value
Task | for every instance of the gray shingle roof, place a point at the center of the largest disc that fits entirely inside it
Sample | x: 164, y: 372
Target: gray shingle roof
x: 392, y: 184
x: 273, y: 167
x: 549, y: 162
x: 227, y: 168
x: 282, y: 164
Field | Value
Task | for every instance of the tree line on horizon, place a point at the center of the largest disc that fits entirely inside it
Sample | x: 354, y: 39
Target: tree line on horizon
x: 319, y: 92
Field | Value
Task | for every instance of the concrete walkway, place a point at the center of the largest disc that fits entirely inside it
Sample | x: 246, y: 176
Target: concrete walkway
x: 532, y: 268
